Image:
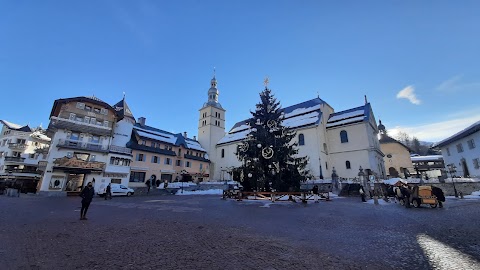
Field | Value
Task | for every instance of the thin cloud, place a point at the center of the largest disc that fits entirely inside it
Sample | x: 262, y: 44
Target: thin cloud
x: 438, y: 131
x: 455, y: 85
x: 409, y: 93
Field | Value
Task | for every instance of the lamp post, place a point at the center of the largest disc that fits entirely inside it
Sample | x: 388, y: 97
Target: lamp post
x: 453, y: 169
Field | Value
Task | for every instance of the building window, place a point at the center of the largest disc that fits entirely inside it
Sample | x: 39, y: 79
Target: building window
x: 140, y: 157
x: 459, y: 148
x: 155, y: 159
x: 476, y: 163
x: 471, y: 144
x: 347, y: 164
x: 88, y: 108
x: 326, y: 165
x: 301, y: 139
x: 137, y: 177
x: 223, y: 153
x: 178, y: 163
x: 325, y: 149
x: 201, y: 166
x: 168, y: 161
x: 343, y: 136
x: 80, y: 105
x: 105, y: 123
x: 103, y: 111
x: 96, y: 110
x: 448, y: 151
x: 187, y: 164
x: 72, y: 117
x: 116, y: 181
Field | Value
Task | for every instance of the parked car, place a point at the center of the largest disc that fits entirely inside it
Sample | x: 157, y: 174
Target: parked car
x: 117, y: 190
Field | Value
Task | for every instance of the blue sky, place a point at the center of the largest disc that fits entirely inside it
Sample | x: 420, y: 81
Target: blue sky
x: 417, y: 61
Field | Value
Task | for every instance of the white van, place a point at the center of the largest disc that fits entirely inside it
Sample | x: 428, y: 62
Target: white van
x: 117, y: 190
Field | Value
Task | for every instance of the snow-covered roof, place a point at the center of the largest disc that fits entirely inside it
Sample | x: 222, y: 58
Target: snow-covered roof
x: 350, y: 116
x: 393, y: 181
x: 427, y: 158
x: 158, y: 136
x: 41, y: 136
x: 475, y: 127
x: 194, y: 145
x: 10, y: 125
x: 166, y: 137
x: 299, y: 115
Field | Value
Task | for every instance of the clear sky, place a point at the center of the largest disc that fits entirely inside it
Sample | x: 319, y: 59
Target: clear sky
x: 417, y: 61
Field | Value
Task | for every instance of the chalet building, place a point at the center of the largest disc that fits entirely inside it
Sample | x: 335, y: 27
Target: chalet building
x: 160, y: 156
x: 461, y: 153
x: 21, y: 150
x: 397, y: 155
x: 344, y: 140
x: 83, y: 146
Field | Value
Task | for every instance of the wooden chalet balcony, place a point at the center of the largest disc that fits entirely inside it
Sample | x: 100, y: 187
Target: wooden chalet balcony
x: 17, y: 146
x: 71, y: 144
x: 64, y: 123
x: 14, y: 159
x: 22, y: 171
x: 120, y: 149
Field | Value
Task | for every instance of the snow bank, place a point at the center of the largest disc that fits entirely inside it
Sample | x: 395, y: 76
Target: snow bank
x: 201, y: 192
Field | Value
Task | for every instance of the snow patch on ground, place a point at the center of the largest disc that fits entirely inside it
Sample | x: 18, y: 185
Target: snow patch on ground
x: 381, y: 202
x: 201, y: 192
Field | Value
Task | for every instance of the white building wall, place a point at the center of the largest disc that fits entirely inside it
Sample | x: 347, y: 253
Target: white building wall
x: 468, y: 154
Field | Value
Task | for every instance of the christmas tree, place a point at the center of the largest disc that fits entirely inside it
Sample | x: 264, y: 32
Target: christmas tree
x: 267, y: 153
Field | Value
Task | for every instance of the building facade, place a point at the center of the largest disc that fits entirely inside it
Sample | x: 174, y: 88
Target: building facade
x: 461, y: 153
x: 160, y: 156
x: 397, y: 155
x: 81, y: 149
x: 344, y: 141
x: 21, y: 150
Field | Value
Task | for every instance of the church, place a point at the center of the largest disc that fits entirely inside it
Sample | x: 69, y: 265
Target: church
x: 340, y: 142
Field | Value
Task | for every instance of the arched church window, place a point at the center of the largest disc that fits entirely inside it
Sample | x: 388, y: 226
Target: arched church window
x: 223, y: 153
x: 301, y: 139
x: 343, y: 136
x: 347, y: 164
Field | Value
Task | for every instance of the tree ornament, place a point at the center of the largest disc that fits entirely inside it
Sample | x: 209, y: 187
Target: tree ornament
x: 259, y: 145
x: 267, y: 153
x: 271, y: 123
x: 243, y: 147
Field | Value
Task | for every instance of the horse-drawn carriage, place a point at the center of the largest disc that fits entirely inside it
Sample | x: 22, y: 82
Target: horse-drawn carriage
x: 423, y: 195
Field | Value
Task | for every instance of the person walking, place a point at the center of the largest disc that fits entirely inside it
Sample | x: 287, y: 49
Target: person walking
x: 108, y: 192
x: 87, y: 195
x: 362, y: 193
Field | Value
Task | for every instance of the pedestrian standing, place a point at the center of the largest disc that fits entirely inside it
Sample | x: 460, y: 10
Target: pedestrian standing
x: 148, y: 186
x: 87, y: 195
x: 362, y: 193
x: 315, y: 193
x: 108, y: 192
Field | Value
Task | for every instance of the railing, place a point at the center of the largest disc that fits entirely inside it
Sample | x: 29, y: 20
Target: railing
x: 82, y: 145
x: 15, y: 159
x: 79, y: 122
x: 22, y: 171
x: 17, y: 146
x: 120, y: 149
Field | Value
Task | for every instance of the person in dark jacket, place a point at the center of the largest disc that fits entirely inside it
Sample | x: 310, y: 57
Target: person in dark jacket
x: 87, y: 195
x: 148, y: 186
x: 362, y: 194
x: 438, y: 192
x: 108, y: 192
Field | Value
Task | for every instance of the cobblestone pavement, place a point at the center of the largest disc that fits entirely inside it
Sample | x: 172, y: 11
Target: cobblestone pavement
x: 204, y: 232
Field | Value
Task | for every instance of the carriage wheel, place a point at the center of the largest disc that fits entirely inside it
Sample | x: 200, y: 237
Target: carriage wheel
x: 402, y: 202
x: 433, y: 205
x: 416, y: 203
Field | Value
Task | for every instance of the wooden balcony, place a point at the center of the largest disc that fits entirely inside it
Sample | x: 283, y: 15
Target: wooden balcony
x: 14, y: 159
x: 72, y: 144
x: 17, y: 146
x: 63, y: 123
x: 120, y: 149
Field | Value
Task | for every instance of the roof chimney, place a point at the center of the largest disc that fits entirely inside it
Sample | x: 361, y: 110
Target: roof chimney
x: 194, y: 138
x: 185, y: 134
x: 142, y: 120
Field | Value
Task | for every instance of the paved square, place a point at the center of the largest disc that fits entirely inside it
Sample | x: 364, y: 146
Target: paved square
x: 205, y: 232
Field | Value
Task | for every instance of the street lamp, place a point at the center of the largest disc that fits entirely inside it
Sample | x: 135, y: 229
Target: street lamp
x: 453, y: 169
